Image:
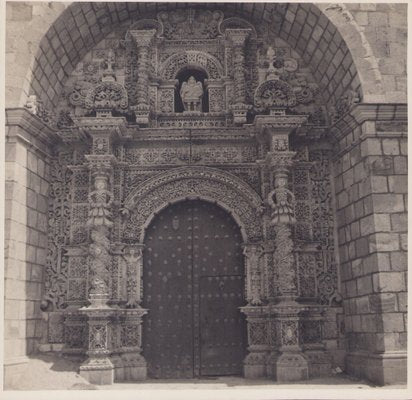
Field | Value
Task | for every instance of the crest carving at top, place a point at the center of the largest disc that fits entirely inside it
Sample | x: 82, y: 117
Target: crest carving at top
x: 190, y: 23
x: 274, y: 93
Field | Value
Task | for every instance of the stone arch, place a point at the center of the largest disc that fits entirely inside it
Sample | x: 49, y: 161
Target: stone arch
x: 209, y: 184
x: 191, y: 58
x: 54, y: 53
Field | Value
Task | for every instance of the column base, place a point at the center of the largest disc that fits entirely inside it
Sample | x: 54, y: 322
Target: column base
x: 98, y: 371
x: 381, y: 369
x: 254, y: 365
x: 290, y: 367
x: 319, y: 362
x: 134, y: 366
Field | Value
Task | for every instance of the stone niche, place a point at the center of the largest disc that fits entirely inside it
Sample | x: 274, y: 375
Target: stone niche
x: 192, y: 103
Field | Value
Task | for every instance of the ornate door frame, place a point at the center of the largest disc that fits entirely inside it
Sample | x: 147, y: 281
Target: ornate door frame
x: 190, y: 183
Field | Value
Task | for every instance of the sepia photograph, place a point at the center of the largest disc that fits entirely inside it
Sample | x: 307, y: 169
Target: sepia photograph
x: 205, y: 199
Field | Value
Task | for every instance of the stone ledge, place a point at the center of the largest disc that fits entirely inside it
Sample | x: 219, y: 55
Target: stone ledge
x: 31, y: 126
x: 368, y: 112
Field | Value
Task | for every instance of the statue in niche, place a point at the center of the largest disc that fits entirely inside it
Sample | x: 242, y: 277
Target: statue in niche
x: 191, y: 94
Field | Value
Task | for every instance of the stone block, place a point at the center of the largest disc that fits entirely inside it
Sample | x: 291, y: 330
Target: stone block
x: 36, y: 273
x: 362, y: 247
x: 383, y: 302
x: 398, y: 184
x: 404, y: 241
x: 371, y: 147
x: 388, y: 282
x: 399, y: 222
x: 41, y: 255
x: 384, y: 242
x: 382, y: 203
x: 370, y: 323
x: 356, y: 323
x: 402, y: 301
x: 361, y: 17
x: 399, y: 260
x: 393, y: 322
x: 32, y: 162
x: 397, y: 19
x: 362, y: 304
x: 351, y: 289
x: 357, y: 268
x: 364, y: 285
x: 379, y: 184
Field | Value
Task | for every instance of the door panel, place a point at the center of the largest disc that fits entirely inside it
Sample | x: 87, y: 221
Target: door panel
x: 221, y: 325
x: 193, y: 288
x: 167, y: 293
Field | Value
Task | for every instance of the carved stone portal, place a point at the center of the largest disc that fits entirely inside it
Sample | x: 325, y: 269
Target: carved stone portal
x: 127, y: 154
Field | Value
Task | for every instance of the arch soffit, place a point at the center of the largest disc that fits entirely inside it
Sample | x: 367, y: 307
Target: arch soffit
x: 188, y: 183
x: 278, y: 14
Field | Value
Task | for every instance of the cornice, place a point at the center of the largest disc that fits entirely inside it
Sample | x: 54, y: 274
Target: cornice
x: 32, y: 125
x: 367, y: 112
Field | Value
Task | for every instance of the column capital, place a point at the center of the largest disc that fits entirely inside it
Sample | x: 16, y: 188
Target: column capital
x: 143, y: 38
x: 238, y: 36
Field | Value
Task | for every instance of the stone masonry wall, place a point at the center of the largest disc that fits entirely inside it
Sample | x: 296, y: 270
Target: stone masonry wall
x: 26, y: 202
x: 371, y: 198
x: 385, y: 27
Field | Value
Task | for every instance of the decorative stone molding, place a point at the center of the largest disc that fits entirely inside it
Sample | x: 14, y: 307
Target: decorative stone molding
x: 143, y: 40
x: 252, y: 253
x: 206, y: 183
x: 133, y: 255
x: 173, y: 64
x: 190, y: 23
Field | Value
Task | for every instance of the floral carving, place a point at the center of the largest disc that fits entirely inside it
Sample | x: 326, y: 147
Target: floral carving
x: 190, y: 23
x: 274, y: 93
x: 207, y: 183
x: 110, y: 96
x: 169, y: 69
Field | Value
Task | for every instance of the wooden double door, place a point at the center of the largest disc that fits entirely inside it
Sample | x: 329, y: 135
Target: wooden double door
x: 193, y: 286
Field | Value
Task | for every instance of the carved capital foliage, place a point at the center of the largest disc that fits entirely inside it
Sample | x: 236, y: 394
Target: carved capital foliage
x: 195, y: 182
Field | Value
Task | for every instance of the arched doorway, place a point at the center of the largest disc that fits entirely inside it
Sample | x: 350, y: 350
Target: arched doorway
x: 193, y: 286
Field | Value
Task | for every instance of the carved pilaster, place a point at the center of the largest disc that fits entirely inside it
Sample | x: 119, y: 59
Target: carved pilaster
x: 286, y: 361
x: 237, y: 39
x: 252, y: 253
x: 143, y: 40
x: 134, y: 261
